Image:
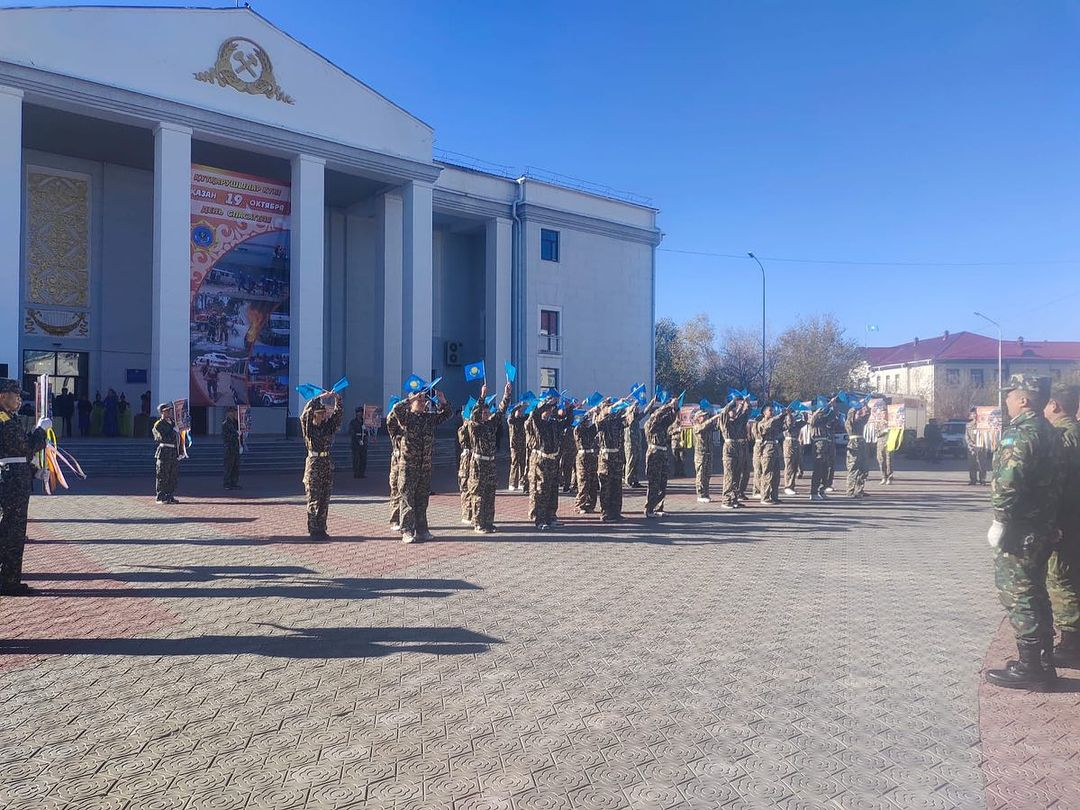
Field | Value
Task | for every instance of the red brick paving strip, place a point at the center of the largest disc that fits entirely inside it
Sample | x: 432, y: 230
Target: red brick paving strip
x: 1030, y: 740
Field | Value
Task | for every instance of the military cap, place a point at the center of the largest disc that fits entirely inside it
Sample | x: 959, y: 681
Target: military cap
x: 1024, y: 382
x: 164, y: 406
x: 9, y: 386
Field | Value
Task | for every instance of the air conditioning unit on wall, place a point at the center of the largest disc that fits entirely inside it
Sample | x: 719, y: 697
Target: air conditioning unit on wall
x: 453, y: 350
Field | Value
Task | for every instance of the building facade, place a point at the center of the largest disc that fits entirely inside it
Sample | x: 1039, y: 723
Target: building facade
x: 130, y: 136
x: 952, y: 372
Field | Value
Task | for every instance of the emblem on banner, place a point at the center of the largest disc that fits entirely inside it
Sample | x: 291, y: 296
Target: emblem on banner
x: 244, y: 65
x: 202, y: 235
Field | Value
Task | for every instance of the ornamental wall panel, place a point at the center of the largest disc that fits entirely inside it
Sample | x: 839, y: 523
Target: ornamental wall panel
x: 56, y: 272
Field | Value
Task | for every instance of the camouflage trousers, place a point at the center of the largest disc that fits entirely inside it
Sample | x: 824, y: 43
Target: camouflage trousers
x: 656, y: 474
x: 14, y: 503
x: 482, y: 493
x: 745, y: 467
x: 1063, y: 583
x: 632, y: 461
x: 610, y: 472
x: 769, y: 460
x: 977, y: 465
x: 824, y: 460
x: 318, y: 483
x: 232, y: 467
x: 792, y: 459
x: 414, y: 484
x: 543, y: 489
x: 734, y: 453
x: 395, y: 490
x: 884, y: 459
x: 568, y: 468
x: 518, y: 468
x: 758, y: 472
x: 588, y: 484
x: 1021, y: 587
x: 166, y: 470
x: 857, y: 466
x: 702, y: 473
x: 464, y: 473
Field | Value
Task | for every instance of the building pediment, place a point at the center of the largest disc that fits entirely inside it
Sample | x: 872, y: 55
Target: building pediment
x: 230, y: 61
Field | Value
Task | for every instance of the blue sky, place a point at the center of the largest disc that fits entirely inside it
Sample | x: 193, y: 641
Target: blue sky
x: 941, y: 135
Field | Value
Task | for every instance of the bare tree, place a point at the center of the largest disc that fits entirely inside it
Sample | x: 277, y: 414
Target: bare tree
x: 740, y: 361
x: 813, y: 357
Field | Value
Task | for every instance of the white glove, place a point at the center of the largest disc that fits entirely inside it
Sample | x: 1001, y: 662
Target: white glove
x: 995, y: 533
x: 45, y: 423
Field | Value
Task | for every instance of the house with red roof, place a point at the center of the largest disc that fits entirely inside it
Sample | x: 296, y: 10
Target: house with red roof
x: 953, y: 371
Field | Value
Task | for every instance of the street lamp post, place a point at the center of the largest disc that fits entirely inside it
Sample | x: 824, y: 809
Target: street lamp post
x: 764, y: 381
x: 1001, y: 382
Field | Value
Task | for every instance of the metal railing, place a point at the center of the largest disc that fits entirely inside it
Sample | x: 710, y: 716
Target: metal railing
x: 549, y: 344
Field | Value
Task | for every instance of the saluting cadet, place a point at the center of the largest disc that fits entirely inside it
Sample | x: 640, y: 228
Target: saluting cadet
x: 821, y: 435
x: 732, y: 425
x: 394, y: 432
x: 588, y: 450
x: 704, y: 428
x: 482, y: 428
x: 166, y: 454
x: 793, y: 424
x: 464, y: 471
x: 567, y: 450
x: 545, y: 430
x: 17, y: 447
x: 858, y: 466
x: 611, y: 424
x: 770, y: 431
x: 519, y: 468
x: 656, y: 459
x: 419, y: 416
x: 319, y: 422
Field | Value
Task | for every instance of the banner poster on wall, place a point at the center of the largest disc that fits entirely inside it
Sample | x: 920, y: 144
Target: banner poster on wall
x: 987, y: 426
x: 372, y: 417
x: 897, y: 416
x: 239, y: 289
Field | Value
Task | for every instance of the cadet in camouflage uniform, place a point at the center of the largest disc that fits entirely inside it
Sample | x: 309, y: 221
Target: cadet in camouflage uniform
x: 675, y: 440
x: 821, y: 435
x: 419, y: 415
x: 884, y: 457
x: 704, y: 427
x: 611, y: 428
x: 567, y: 451
x: 545, y: 429
x: 588, y: 451
x: 977, y: 456
x: 166, y: 454
x: 319, y: 421
x: 17, y: 447
x: 858, y: 467
x: 1063, y: 576
x: 464, y: 471
x: 657, y: 465
x: 793, y: 424
x: 394, y: 433
x: 1025, y: 491
x: 230, y: 439
x: 754, y: 436
x: 519, y: 469
x: 482, y: 428
x: 733, y: 429
x: 632, y: 450
x: 770, y: 432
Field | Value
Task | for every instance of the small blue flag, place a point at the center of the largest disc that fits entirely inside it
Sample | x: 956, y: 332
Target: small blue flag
x: 340, y: 385
x: 415, y: 384
x: 490, y: 400
x: 551, y: 393
x: 619, y: 406
x: 511, y: 371
x: 468, y: 409
x: 528, y: 396
x: 594, y: 399
x: 705, y: 405
x: 309, y: 391
x: 394, y: 400
x: 531, y: 406
x: 682, y: 397
x: 755, y: 413
x: 475, y: 371
x: 431, y: 385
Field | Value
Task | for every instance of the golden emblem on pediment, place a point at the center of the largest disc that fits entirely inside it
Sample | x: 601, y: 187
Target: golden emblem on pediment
x: 244, y: 65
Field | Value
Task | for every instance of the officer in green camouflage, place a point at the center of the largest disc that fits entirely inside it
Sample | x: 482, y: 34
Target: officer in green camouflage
x: 319, y: 422
x: 657, y: 463
x: 1025, y: 491
x: 166, y: 454
x: 704, y: 428
x: 588, y: 451
x: 482, y: 427
x: 1063, y: 575
x: 858, y: 465
x: 230, y: 440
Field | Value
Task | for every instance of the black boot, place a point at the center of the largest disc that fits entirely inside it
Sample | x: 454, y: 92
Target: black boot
x: 1067, y: 652
x: 1027, y: 673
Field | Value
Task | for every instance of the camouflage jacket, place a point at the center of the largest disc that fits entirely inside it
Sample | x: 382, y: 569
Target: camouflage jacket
x: 516, y: 423
x: 417, y: 442
x: 632, y: 437
x: 230, y: 435
x: 319, y: 437
x: 17, y: 443
x: 703, y: 435
x: 971, y: 436
x: 1025, y: 488
x: 659, y: 423
x: 770, y: 428
x: 545, y: 435
x: 732, y: 426
x: 612, y: 429
x: 793, y: 426
x: 1069, y: 513
x: 821, y: 424
x: 167, y: 439
x: 586, y: 436
x: 854, y: 425
x: 482, y: 431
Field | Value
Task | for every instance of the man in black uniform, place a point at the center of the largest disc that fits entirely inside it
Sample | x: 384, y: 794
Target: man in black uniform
x: 167, y: 454
x: 16, y: 479
x: 358, y: 443
x: 230, y: 438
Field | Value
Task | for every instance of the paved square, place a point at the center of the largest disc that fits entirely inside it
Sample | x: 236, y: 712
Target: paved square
x: 804, y: 655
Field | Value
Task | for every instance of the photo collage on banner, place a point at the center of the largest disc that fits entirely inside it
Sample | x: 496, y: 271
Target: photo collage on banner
x: 239, y: 289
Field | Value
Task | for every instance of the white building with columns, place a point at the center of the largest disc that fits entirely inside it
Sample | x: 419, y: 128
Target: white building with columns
x: 400, y: 263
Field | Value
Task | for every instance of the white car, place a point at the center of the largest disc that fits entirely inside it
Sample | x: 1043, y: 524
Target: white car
x: 215, y: 359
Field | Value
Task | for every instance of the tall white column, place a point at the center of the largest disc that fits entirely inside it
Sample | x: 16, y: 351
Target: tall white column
x: 416, y: 264
x: 171, y: 285
x: 307, y: 265
x: 498, y: 244
x: 388, y: 217
x: 11, y: 184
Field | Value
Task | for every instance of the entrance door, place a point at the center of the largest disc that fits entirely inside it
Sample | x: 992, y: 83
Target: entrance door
x: 70, y: 370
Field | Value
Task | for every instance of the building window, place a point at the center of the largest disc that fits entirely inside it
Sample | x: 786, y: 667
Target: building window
x: 896, y: 383
x: 977, y: 378
x: 550, y: 336
x: 549, y: 378
x: 549, y: 245
x: 952, y: 376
